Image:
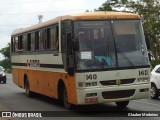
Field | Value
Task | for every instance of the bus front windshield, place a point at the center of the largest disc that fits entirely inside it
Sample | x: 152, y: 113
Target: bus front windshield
x: 110, y: 44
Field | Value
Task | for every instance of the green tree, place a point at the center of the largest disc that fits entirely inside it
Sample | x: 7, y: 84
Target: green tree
x: 6, y: 63
x: 6, y: 51
x: 149, y: 10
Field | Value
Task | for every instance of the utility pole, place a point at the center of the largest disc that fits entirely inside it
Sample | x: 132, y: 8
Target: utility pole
x: 40, y: 17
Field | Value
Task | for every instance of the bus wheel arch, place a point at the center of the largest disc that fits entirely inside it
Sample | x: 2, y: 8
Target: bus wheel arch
x: 63, y: 94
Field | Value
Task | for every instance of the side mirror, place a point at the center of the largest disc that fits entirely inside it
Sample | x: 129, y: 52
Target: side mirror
x: 75, y: 45
x: 70, y: 68
x: 71, y: 71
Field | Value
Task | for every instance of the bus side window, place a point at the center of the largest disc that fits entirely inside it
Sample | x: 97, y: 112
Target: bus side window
x: 45, y: 38
x: 54, y: 40
x: 12, y: 44
x: 41, y: 40
x: 48, y: 39
x: 33, y: 41
x: 23, y: 46
x: 37, y: 40
x: 29, y: 42
x: 16, y: 44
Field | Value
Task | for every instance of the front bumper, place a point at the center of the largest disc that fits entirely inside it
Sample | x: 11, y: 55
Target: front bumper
x: 120, y: 93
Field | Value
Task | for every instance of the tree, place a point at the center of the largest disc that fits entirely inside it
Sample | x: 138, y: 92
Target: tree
x: 6, y: 63
x: 149, y: 10
x: 6, y: 51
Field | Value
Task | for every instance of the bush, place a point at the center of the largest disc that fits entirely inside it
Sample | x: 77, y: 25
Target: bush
x: 154, y: 63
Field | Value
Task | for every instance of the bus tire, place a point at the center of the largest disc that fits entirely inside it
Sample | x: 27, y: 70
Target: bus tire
x: 122, y: 104
x: 66, y: 104
x: 27, y: 88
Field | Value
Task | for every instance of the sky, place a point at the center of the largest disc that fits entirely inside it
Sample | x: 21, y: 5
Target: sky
x: 16, y: 14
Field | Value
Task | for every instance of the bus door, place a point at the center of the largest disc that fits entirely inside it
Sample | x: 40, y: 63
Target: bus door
x: 66, y: 46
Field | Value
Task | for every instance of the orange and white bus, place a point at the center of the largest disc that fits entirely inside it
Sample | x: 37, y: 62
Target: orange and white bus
x: 81, y: 59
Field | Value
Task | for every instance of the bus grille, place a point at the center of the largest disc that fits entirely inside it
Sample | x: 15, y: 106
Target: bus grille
x: 113, y: 82
x: 118, y: 94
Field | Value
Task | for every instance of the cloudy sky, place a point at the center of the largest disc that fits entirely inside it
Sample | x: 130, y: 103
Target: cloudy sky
x: 23, y: 13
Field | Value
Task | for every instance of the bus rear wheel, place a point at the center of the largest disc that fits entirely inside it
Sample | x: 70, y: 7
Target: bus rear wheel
x: 27, y: 88
x: 67, y: 105
x: 122, y: 104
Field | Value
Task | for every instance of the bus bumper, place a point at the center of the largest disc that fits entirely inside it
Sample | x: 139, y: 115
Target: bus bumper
x: 112, y: 94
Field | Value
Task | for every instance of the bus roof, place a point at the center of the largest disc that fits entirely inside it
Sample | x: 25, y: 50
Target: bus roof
x: 80, y: 16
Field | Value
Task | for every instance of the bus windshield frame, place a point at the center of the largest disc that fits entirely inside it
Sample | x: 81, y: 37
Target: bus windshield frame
x: 110, y: 44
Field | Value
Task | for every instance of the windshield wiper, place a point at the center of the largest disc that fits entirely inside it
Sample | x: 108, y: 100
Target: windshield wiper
x: 126, y: 58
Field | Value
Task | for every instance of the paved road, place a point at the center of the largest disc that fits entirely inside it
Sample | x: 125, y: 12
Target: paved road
x: 13, y: 98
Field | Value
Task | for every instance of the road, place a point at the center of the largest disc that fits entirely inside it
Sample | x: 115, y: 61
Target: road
x: 13, y: 98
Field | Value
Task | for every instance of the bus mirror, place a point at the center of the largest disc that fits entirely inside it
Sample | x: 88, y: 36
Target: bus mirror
x: 71, y: 71
x: 70, y: 68
x: 75, y: 45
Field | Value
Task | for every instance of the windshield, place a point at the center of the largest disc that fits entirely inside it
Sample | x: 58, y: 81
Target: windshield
x: 100, y: 44
x: 130, y: 43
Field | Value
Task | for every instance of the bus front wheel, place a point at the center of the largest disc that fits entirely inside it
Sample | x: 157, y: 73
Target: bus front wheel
x: 122, y: 104
x: 67, y: 105
x: 27, y: 88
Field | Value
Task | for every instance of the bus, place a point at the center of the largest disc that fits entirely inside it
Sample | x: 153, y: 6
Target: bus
x: 82, y: 59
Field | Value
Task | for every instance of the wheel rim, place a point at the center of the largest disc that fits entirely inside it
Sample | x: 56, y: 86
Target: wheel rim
x: 153, y: 91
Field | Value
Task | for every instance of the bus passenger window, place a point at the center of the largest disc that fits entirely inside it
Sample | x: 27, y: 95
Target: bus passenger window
x: 16, y: 44
x: 37, y: 40
x: 12, y: 44
x: 54, y: 40
x: 24, y: 43
x: 41, y: 40
x: 32, y: 41
x: 48, y: 39
x: 29, y: 42
x: 57, y: 43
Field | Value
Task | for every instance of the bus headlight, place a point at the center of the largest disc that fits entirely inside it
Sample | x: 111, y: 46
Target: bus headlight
x: 88, y: 84
x: 81, y: 84
x: 143, y: 80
